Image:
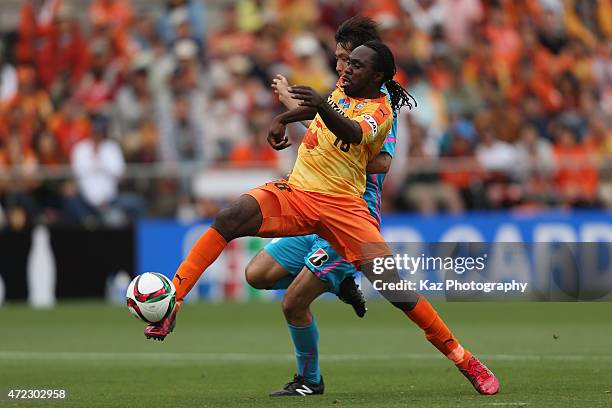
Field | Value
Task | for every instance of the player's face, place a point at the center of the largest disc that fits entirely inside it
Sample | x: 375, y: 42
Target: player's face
x: 359, y: 73
x: 342, y: 57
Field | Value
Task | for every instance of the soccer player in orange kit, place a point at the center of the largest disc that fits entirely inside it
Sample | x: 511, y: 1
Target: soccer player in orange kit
x: 323, y: 195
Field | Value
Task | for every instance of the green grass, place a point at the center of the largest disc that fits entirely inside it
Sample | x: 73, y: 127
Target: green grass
x: 232, y: 355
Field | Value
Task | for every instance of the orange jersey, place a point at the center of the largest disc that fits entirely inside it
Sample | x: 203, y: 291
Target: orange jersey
x: 325, y: 164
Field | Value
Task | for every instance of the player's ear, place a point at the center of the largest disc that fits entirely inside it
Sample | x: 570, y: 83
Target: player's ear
x: 378, y: 77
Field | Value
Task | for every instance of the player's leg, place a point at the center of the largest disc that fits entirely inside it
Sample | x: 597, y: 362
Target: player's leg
x: 279, y: 262
x: 436, y: 331
x: 360, y: 241
x: 421, y: 312
x: 242, y: 218
x: 282, y: 259
x: 263, y: 272
x: 273, y: 209
x: 296, y: 307
x: 337, y: 273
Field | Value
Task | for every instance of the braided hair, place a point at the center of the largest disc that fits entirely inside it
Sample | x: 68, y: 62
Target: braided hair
x: 385, y: 63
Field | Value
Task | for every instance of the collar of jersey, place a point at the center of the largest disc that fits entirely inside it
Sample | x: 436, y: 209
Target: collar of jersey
x: 380, y: 99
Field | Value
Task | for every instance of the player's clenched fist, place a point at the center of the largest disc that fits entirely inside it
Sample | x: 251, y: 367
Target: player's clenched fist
x: 307, y: 96
x: 276, y: 136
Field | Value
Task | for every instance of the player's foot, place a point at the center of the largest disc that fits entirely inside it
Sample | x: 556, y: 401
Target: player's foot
x: 350, y: 294
x: 299, y: 387
x: 159, y: 330
x: 481, y: 377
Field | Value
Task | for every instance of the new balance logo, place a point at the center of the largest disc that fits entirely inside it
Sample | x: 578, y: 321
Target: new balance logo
x: 304, y: 390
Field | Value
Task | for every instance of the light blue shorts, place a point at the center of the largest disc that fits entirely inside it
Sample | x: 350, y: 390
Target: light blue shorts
x: 315, y: 253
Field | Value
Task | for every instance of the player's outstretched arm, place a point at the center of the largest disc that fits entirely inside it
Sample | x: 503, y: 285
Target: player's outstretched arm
x: 347, y: 130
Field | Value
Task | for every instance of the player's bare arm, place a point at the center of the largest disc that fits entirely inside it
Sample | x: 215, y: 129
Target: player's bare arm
x: 280, y: 85
x: 276, y: 134
x: 380, y: 164
x: 346, y: 129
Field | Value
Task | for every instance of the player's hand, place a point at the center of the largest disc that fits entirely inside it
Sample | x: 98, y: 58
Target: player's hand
x: 280, y: 85
x: 307, y: 96
x: 276, y: 136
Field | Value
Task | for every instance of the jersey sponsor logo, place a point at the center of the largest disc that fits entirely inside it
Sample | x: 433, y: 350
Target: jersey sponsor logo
x: 335, y: 106
x: 344, y: 103
x: 304, y: 390
x: 360, y: 105
x: 318, y: 258
x: 372, y: 122
x: 383, y: 112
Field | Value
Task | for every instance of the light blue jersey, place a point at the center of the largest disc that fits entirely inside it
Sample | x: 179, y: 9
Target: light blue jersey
x: 374, y: 182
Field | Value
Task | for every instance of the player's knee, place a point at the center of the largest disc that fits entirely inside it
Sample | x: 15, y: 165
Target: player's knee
x: 255, y: 275
x: 228, y: 222
x: 242, y: 218
x: 224, y: 222
x: 293, y: 307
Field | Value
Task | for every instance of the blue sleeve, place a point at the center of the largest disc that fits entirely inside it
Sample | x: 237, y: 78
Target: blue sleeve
x: 389, y: 145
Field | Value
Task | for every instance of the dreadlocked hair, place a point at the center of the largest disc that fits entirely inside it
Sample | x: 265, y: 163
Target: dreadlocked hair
x: 385, y: 63
x: 355, y: 31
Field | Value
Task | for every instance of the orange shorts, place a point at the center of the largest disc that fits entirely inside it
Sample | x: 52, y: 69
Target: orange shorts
x: 345, y: 222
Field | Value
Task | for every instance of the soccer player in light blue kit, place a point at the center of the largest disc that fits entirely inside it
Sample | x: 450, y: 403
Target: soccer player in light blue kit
x: 307, y: 265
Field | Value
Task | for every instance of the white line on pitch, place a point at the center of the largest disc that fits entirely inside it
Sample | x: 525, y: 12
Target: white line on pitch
x: 85, y: 355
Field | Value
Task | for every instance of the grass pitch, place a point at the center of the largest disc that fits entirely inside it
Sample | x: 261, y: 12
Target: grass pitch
x: 232, y: 355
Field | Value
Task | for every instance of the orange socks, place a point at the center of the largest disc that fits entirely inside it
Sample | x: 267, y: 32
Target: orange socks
x: 204, y: 252
x: 437, y: 333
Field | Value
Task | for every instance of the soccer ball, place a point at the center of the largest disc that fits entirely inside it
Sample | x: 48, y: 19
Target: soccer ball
x: 151, y: 297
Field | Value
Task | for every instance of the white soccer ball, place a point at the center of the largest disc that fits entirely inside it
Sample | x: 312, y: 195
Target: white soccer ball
x: 151, y: 297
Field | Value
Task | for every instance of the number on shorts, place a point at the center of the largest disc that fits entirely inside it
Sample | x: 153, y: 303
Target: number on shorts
x: 283, y: 186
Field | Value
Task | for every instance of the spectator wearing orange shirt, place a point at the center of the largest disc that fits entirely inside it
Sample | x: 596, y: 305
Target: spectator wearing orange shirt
x: 16, y: 196
x: 31, y: 105
x: 505, y: 41
x: 36, y: 44
x: 255, y: 151
x: 116, y: 14
x: 458, y: 143
x: 71, y: 56
x: 112, y: 19
x: 69, y: 125
x: 528, y: 82
x: 576, y: 179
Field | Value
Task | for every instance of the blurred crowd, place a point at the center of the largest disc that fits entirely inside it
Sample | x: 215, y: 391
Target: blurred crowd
x: 514, y: 101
